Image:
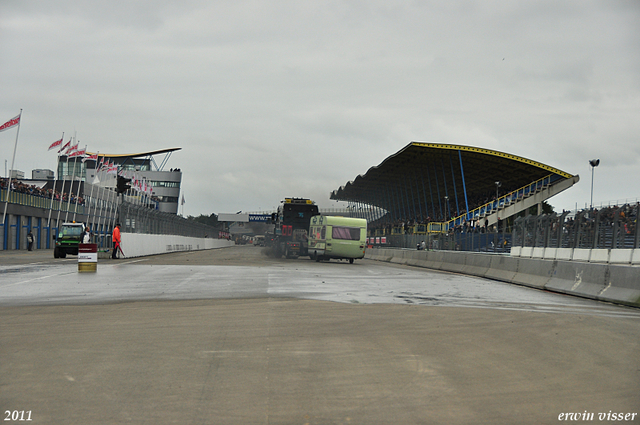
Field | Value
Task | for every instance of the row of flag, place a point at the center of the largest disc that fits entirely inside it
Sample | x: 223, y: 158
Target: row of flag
x: 73, y: 151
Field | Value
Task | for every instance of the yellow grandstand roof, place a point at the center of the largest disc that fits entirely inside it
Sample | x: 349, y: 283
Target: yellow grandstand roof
x: 426, y: 173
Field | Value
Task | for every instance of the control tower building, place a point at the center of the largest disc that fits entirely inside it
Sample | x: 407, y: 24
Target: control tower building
x: 166, y: 184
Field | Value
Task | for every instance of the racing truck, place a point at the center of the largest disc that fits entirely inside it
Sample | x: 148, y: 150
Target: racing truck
x: 69, y: 237
x: 291, y: 227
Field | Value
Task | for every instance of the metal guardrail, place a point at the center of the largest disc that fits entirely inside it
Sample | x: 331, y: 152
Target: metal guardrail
x: 610, y: 227
x: 140, y: 219
x: 39, y: 202
x: 503, y: 201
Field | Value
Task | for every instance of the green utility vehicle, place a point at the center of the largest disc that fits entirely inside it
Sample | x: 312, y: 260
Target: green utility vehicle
x: 69, y: 237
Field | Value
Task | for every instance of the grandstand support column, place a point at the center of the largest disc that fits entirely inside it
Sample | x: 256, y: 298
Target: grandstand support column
x: 389, y: 202
x: 376, y: 210
x: 464, y: 183
x: 433, y: 204
x: 424, y: 193
x: 595, y: 227
x: 435, y: 173
x: 415, y: 179
x: 455, y: 190
x: 407, y: 213
x: 401, y: 212
x: 446, y: 188
x: 561, y: 223
x: 396, y: 212
x: 413, y: 201
x: 616, y: 227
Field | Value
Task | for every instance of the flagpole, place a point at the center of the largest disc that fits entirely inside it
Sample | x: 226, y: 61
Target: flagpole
x: 53, y: 192
x: 115, y: 201
x: 61, y: 200
x: 79, y: 181
x: 138, y: 190
x: 73, y: 176
x: 99, y: 202
x: 108, y: 218
x: 15, y: 146
x: 98, y: 216
x: 64, y: 179
x: 91, y: 194
x: 108, y: 204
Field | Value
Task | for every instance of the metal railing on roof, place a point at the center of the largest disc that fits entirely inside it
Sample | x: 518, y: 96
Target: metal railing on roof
x: 502, y: 202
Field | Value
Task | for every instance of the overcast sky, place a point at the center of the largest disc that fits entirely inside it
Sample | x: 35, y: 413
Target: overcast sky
x: 271, y: 99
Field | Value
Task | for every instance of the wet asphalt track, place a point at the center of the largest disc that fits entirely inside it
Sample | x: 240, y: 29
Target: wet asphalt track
x: 233, y: 336
x: 246, y: 272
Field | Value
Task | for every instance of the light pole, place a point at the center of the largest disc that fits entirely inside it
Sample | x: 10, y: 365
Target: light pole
x: 446, y: 199
x: 594, y: 163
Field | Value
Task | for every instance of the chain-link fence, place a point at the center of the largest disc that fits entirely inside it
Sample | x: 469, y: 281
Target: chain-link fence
x: 475, y: 241
x: 609, y: 227
x: 140, y: 219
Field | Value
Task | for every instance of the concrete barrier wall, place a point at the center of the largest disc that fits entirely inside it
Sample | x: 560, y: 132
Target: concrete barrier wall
x: 600, y: 255
x: 596, y: 280
x: 138, y: 244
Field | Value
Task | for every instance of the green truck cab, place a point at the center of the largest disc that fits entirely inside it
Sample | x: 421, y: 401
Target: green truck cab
x: 69, y: 237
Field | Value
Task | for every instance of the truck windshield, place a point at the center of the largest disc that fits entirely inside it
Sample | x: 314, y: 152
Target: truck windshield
x: 348, y: 233
x: 71, y: 231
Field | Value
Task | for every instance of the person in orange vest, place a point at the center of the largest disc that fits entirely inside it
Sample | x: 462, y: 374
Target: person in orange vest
x: 116, y: 241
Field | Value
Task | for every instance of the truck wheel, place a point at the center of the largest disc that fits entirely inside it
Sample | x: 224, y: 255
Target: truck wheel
x: 56, y: 253
x: 62, y: 254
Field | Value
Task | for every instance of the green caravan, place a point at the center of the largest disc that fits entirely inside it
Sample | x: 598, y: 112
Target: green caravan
x: 337, y: 237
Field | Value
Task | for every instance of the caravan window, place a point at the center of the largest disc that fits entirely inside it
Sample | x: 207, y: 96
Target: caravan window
x: 348, y: 233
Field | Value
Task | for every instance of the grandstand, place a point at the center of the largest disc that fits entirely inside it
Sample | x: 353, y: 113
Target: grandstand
x: 439, y: 187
